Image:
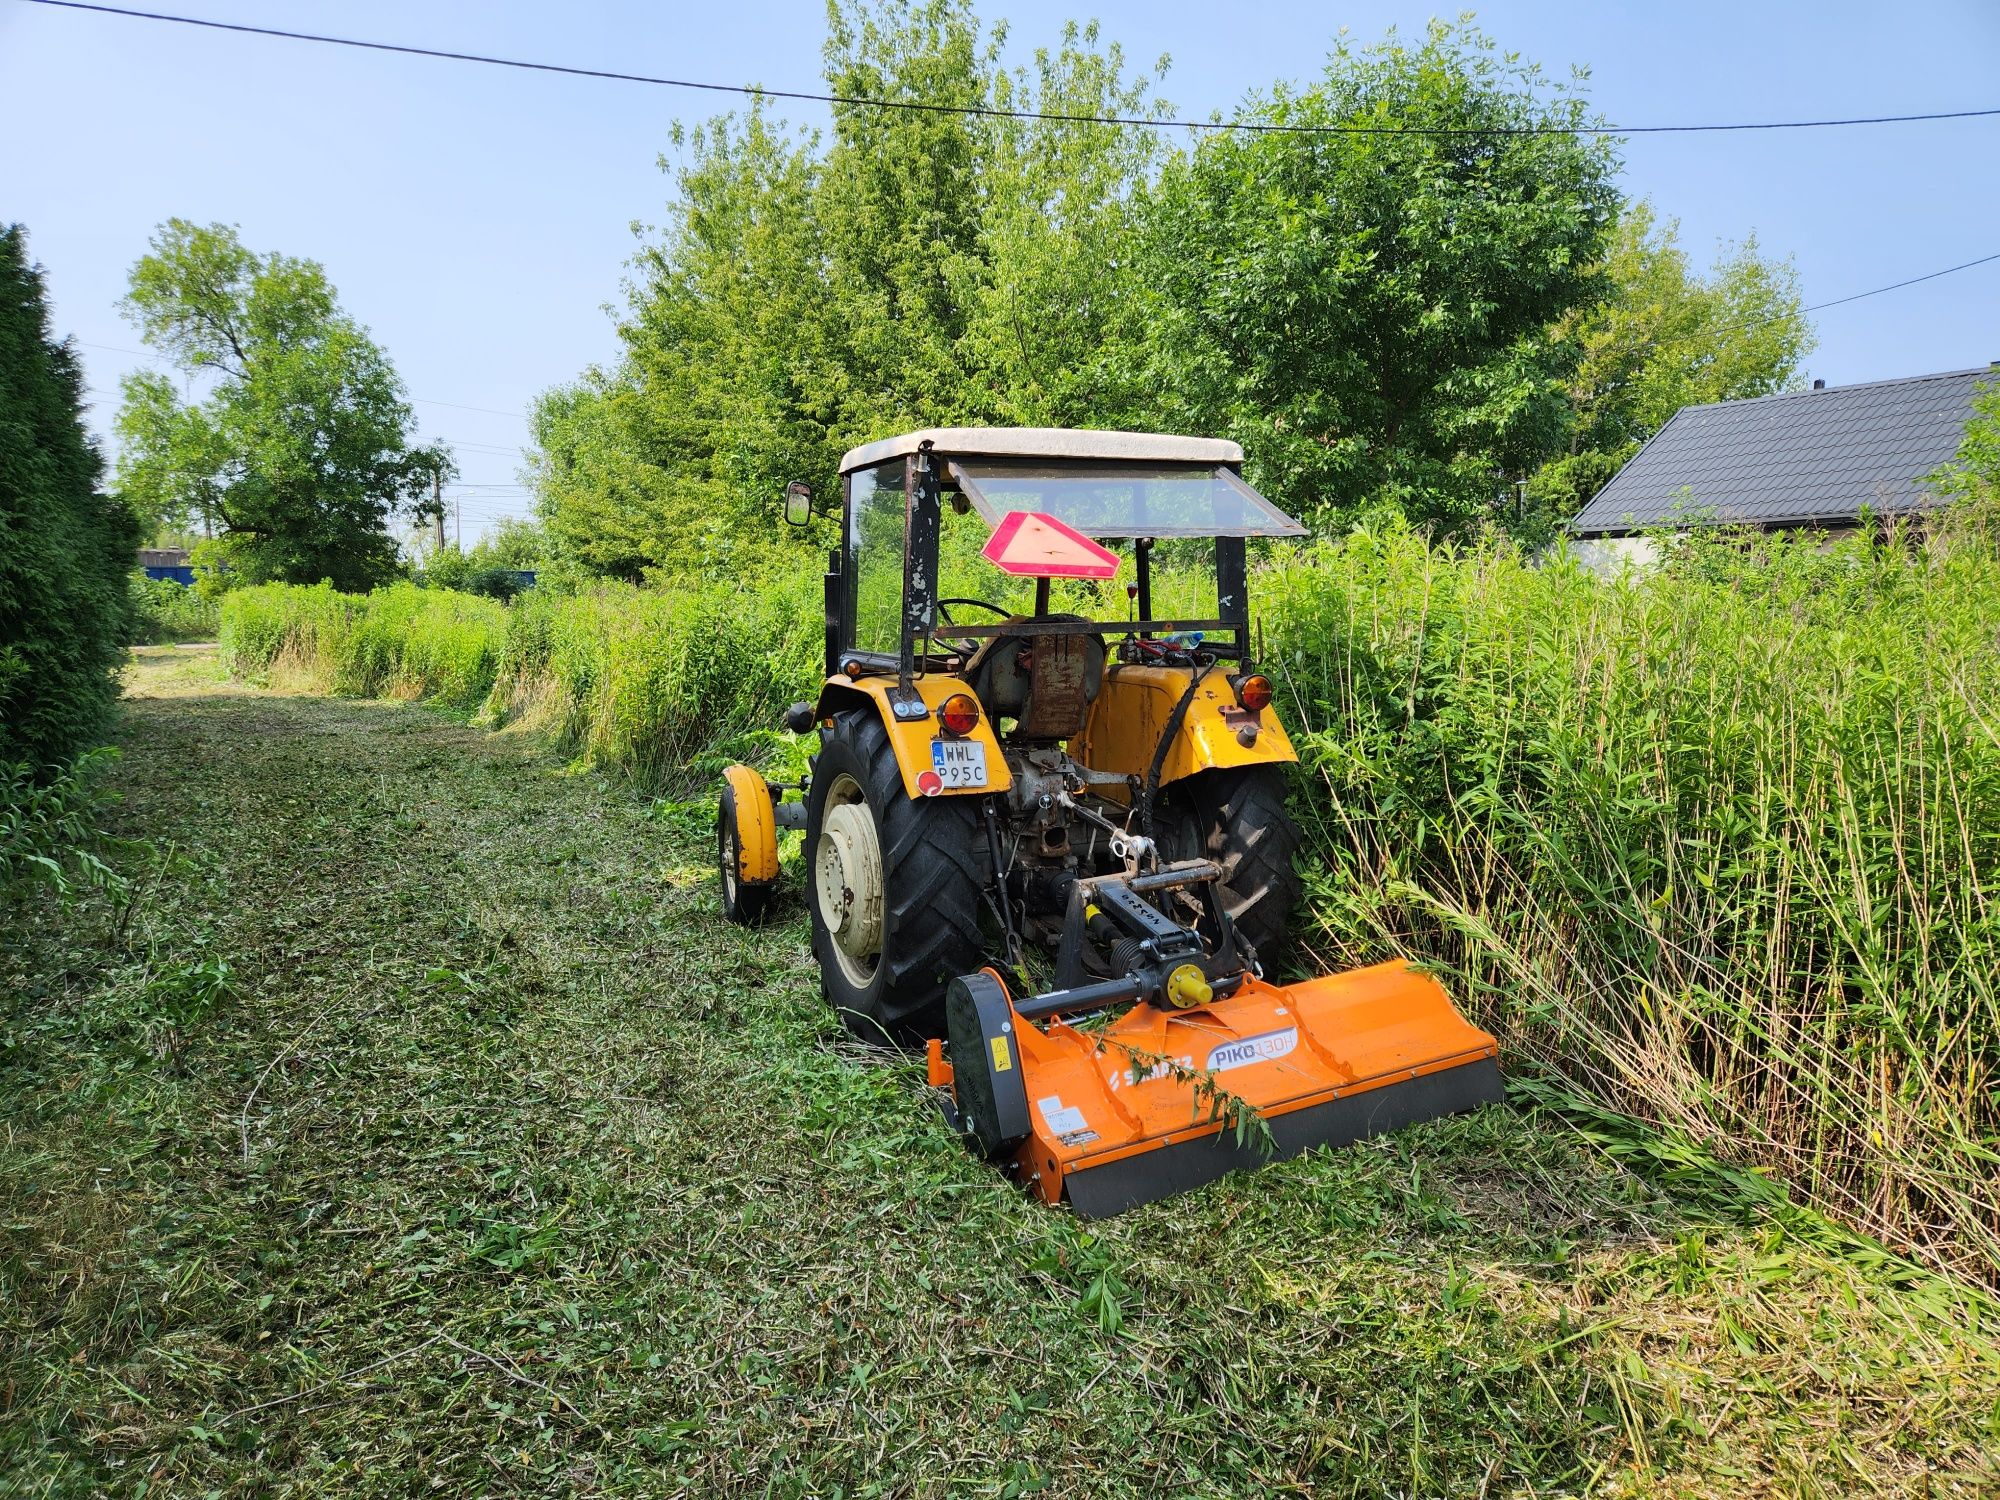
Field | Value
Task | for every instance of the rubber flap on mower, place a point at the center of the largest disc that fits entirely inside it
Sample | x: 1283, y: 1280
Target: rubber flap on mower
x: 1100, y: 1192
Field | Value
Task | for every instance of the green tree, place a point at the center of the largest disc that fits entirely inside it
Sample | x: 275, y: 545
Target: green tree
x: 1971, y: 481
x: 805, y: 294
x: 65, y: 549
x: 1368, y: 312
x: 302, y: 449
x: 1666, y: 337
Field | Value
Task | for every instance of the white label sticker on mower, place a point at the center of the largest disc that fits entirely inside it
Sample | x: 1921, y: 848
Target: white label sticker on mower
x: 1061, y: 1121
x: 1266, y: 1046
x: 959, y: 762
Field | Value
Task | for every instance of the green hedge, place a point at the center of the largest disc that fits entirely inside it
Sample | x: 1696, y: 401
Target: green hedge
x: 64, y: 548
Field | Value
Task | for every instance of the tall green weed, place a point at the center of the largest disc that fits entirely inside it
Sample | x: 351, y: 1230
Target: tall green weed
x: 164, y: 611
x: 398, y: 642
x: 50, y: 826
x: 1719, y: 842
x: 664, y: 683
x: 660, y: 683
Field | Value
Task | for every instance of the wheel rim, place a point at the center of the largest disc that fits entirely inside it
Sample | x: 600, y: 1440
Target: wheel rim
x: 847, y: 880
x: 730, y: 857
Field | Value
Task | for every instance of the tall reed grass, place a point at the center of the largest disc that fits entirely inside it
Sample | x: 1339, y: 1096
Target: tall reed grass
x: 162, y: 611
x: 398, y: 642
x: 665, y: 684
x: 662, y: 684
x: 1719, y: 843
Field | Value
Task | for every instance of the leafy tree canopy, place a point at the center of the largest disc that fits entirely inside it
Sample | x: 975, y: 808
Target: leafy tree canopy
x: 1367, y: 313
x: 302, y: 448
x: 1384, y: 317
x: 805, y: 294
x: 64, y: 548
x: 1664, y: 337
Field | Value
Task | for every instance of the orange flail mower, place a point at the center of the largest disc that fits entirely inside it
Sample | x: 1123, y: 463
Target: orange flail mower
x: 1100, y: 801
x: 1110, y: 1119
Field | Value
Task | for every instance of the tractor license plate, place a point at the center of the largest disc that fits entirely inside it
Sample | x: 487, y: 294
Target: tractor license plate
x: 959, y: 762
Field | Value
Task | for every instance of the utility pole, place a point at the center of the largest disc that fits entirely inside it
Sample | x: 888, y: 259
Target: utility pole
x: 457, y: 523
x: 437, y: 502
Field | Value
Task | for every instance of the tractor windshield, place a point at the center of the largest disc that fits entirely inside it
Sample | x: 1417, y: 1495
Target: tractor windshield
x: 1124, y: 499
x: 1177, y: 530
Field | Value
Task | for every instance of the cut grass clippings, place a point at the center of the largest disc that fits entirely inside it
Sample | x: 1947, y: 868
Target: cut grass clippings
x: 494, y: 1162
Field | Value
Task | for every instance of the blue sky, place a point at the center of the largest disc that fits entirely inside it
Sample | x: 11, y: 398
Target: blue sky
x: 477, y: 219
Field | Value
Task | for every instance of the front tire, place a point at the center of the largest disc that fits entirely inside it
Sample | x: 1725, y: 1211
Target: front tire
x: 744, y: 902
x: 892, y: 884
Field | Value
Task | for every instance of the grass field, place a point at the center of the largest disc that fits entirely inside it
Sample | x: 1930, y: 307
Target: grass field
x: 421, y: 1129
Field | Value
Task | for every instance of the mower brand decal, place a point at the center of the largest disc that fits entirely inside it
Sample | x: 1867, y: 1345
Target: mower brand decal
x: 1003, y: 1060
x: 1135, y: 1074
x: 1062, y: 1120
x: 1264, y: 1047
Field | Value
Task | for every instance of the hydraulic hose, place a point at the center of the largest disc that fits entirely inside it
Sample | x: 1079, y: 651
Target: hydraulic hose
x: 1175, y: 719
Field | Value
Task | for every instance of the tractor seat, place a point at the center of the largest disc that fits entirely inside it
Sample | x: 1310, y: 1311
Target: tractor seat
x: 1045, y: 683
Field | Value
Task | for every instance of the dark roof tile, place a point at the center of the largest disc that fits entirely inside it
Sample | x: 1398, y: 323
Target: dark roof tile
x: 1794, y: 459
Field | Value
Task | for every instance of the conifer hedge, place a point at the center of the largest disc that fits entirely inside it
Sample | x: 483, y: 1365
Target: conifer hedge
x: 65, y: 549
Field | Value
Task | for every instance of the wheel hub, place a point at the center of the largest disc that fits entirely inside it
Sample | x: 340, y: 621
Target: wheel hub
x: 848, y: 879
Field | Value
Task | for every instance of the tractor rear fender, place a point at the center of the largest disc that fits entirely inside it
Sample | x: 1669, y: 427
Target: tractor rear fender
x: 1132, y: 708
x: 910, y: 737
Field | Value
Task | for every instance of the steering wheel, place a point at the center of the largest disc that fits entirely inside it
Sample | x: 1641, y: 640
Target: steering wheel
x: 945, y: 613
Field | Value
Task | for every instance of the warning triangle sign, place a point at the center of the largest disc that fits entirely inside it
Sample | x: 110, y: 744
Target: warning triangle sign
x: 1029, y: 544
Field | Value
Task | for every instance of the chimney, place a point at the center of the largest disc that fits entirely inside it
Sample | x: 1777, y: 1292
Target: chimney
x: 1819, y: 385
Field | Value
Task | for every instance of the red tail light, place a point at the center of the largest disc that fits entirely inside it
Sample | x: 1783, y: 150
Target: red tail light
x: 959, y: 714
x: 1254, y: 692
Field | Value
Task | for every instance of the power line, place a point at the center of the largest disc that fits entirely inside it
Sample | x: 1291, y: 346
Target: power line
x: 984, y: 110
x: 159, y: 358
x: 1894, y: 286
x: 425, y: 400
x: 1899, y: 285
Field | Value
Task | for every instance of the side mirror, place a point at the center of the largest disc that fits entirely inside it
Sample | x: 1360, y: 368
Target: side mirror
x: 798, y: 503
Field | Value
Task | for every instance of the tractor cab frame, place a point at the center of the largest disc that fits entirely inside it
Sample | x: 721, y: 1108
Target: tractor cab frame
x: 1145, y: 487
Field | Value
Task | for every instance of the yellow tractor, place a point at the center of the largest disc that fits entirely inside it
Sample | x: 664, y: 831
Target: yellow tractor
x: 1050, y: 844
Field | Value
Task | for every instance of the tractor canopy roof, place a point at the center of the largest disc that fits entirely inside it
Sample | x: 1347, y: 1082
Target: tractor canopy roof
x: 1045, y: 442
x: 1104, y: 484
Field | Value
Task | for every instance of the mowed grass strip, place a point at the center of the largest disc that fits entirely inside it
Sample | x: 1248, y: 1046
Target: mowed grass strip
x: 420, y: 1128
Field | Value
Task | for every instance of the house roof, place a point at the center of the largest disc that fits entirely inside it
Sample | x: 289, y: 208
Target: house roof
x: 1046, y: 442
x: 1797, y: 459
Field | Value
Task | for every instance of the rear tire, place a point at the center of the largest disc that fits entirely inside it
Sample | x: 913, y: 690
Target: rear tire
x: 929, y: 886
x: 1238, y: 819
